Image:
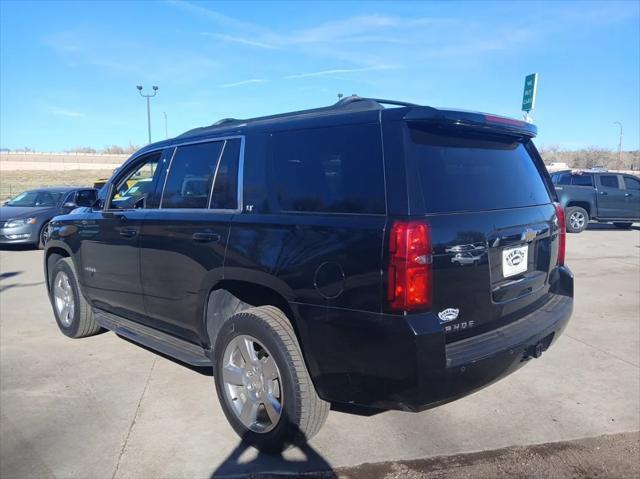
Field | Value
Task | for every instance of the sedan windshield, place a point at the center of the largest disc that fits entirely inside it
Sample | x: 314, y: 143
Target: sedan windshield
x: 36, y: 198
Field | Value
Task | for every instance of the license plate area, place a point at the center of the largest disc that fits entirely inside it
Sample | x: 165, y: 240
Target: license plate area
x: 515, y: 260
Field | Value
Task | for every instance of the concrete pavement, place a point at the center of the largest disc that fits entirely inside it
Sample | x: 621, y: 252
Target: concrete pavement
x: 103, y: 407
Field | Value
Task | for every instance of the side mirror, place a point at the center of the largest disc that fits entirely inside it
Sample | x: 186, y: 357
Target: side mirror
x: 86, y: 198
x: 69, y: 205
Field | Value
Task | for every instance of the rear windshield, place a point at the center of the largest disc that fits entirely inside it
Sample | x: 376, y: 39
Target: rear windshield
x: 460, y: 172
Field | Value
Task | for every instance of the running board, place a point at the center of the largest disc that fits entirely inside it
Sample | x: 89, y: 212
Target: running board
x: 162, y: 342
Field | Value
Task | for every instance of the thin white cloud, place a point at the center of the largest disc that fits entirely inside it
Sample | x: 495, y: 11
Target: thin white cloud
x: 243, y: 82
x: 125, y: 57
x: 216, y: 17
x: 65, y: 112
x: 339, y: 71
x: 359, y: 28
x: 246, y: 41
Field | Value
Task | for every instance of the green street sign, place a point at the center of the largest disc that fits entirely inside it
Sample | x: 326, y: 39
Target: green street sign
x: 530, y: 90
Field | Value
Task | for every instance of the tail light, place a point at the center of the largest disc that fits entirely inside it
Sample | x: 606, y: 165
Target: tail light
x: 562, y: 235
x: 410, y: 266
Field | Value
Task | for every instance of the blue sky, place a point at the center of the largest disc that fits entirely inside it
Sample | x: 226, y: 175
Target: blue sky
x: 68, y: 70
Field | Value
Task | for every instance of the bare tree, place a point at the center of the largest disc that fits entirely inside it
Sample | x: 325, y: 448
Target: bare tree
x: 591, y: 157
x: 81, y: 149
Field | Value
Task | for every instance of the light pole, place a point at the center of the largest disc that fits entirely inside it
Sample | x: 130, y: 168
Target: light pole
x: 155, y: 90
x: 166, y: 130
x: 619, y: 142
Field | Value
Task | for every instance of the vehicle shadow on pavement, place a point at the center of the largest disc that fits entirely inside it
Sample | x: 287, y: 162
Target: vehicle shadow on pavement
x: 19, y: 285
x: 9, y: 274
x: 274, y: 465
x: 610, y: 227
x: 17, y: 247
x: 12, y: 274
x: 204, y: 370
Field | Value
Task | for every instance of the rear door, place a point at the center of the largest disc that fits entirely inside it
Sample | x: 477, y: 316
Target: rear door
x: 493, y: 224
x: 312, y: 228
x: 632, y: 196
x: 183, y: 242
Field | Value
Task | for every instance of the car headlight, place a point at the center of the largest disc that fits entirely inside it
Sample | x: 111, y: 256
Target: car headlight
x: 18, y: 222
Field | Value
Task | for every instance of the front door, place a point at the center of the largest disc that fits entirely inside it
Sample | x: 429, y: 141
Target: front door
x: 183, y: 242
x: 110, y: 248
x: 611, y: 199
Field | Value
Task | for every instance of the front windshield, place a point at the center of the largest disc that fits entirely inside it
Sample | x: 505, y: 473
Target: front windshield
x: 35, y: 198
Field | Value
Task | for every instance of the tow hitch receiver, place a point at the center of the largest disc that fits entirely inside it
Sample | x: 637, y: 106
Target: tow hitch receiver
x: 536, y: 350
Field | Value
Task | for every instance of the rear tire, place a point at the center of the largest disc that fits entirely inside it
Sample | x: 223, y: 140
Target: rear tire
x: 300, y: 412
x: 577, y: 219
x: 72, y: 312
x: 622, y: 226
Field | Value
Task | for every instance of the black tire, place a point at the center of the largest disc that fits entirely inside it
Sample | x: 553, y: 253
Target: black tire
x: 623, y: 226
x: 576, y: 218
x: 42, y: 235
x: 303, y: 412
x: 81, y: 323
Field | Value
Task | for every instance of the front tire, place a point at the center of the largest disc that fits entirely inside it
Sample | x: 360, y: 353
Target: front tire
x: 577, y: 219
x: 623, y: 226
x: 262, y: 382
x: 43, y: 236
x: 72, y: 312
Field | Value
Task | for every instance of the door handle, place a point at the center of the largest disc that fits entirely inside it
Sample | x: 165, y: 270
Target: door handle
x: 627, y: 195
x: 206, y: 237
x: 604, y: 193
x: 128, y: 232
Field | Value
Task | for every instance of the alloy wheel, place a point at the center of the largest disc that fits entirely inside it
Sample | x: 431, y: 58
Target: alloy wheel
x: 44, y: 234
x: 252, y: 384
x: 577, y: 220
x: 63, y: 298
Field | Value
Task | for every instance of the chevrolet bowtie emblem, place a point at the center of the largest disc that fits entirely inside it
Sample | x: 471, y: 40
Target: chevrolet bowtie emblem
x: 529, y: 235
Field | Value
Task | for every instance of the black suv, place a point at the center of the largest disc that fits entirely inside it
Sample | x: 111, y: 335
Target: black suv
x: 395, y: 258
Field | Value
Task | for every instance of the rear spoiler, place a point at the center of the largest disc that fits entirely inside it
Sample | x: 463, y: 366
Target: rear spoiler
x: 474, y: 120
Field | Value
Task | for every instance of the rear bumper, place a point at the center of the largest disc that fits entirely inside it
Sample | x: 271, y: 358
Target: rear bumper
x: 476, y: 362
x: 410, y: 367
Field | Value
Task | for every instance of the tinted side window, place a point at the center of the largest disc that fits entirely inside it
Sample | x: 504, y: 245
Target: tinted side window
x: 631, y: 183
x: 46, y: 198
x: 88, y: 195
x: 609, y: 181
x: 563, y: 179
x: 582, y: 180
x: 190, y: 176
x: 335, y: 169
x: 134, y: 189
x: 225, y: 188
x: 69, y: 198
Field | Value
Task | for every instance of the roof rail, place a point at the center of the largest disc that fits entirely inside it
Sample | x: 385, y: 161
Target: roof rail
x: 343, y: 102
x: 225, y: 120
x: 354, y: 98
x: 353, y: 102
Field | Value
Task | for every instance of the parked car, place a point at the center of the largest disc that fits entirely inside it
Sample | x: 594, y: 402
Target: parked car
x: 598, y: 195
x: 317, y: 268
x: 24, y: 218
x: 468, y: 253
